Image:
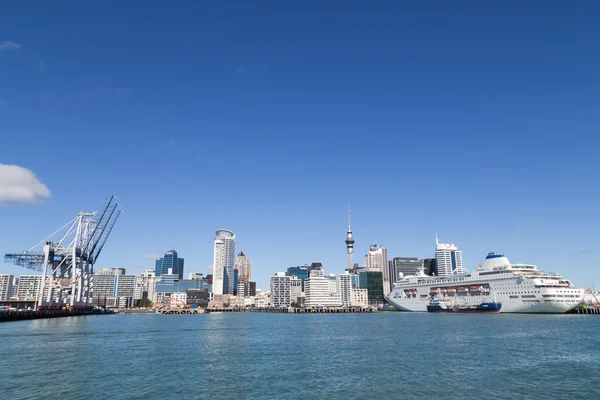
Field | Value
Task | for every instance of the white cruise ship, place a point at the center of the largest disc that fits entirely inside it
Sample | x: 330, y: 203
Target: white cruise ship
x: 520, y: 288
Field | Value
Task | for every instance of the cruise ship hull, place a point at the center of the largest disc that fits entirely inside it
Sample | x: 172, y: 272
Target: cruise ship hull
x: 520, y: 288
x: 414, y: 305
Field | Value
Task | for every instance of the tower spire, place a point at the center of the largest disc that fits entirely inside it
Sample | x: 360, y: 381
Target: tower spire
x: 436, y: 239
x: 348, y: 215
x: 349, y: 241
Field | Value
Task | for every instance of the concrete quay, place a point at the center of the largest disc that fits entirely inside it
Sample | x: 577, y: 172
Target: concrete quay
x: 21, y: 315
x: 315, y: 310
x: 588, y: 310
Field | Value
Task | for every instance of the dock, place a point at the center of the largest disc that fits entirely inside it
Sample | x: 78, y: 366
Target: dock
x: 21, y: 315
x: 314, y: 310
x: 587, y: 310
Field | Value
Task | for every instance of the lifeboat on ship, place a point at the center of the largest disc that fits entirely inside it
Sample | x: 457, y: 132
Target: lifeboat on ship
x: 433, y: 292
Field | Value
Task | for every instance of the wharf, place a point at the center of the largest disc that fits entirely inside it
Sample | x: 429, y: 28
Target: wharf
x: 21, y: 315
x: 320, y: 310
x: 588, y: 310
x: 182, y: 311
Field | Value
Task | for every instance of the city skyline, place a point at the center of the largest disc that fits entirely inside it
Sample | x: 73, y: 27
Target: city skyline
x: 479, y: 137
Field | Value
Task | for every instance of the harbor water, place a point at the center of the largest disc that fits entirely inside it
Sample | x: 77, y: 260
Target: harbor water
x: 386, y: 355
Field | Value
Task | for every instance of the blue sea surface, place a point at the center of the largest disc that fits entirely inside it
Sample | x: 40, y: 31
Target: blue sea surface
x: 388, y: 355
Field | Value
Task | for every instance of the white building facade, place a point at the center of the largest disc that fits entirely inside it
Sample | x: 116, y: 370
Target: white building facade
x: 344, y: 284
x: 317, y: 291
x: 377, y: 259
x: 223, y: 262
x: 244, y: 266
x: 360, y: 298
x: 296, y: 289
x: 280, y: 290
x: 6, y: 290
x: 449, y: 259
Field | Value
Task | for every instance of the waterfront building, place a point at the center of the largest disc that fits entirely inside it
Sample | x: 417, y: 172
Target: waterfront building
x: 349, y: 241
x: 372, y: 280
x: 246, y: 288
x: 145, y: 285
x: 165, y: 287
x: 198, y: 297
x: 126, y: 286
x: 377, y: 259
x: 333, y: 285
x: 225, y: 301
x: 6, y: 286
x: 280, y: 290
x: 230, y: 284
x: 15, y: 286
x: 115, y: 289
x: 448, y: 259
x: 344, y: 286
x: 317, y: 290
x: 171, y: 263
x: 296, y: 290
x: 244, y: 265
x: 404, y: 266
x: 360, y: 297
x: 430, y: 267
x: 29, y: 287
x: 301, y: 272
x: 223, y: 262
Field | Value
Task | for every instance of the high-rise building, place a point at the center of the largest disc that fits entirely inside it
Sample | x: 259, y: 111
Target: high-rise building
x: 317, y: 290
x: 227, y: 281
x: 246, y: 288
x: 373, y: 282
x: 223, y: 262
x: 448, y: 259
x: 244, y: 265
x: 280, y: 290
x: 360, y: 297
x: 404, y: 266
x: 114, y: 290
x: 169, y: 264
x: 300, y: 272
x: 377, y: 259
x: 430, y: 267
x: 29, y: 287
x: 296, y: 289
x: 349, y: 241
x: 6, y: 282
x: 145, y: 285
x: 196, y: 275
x: 345, y: 288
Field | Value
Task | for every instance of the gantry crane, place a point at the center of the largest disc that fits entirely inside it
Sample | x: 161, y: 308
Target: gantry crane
x: 67, y: 265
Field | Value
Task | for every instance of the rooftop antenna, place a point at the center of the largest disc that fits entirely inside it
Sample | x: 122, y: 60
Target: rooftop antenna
x: 436, y: 239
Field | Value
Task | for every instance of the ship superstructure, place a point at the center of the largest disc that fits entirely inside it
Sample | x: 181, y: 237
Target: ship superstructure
x: 521, y: 288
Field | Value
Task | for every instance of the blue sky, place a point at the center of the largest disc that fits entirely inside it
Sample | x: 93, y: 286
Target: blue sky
x: 474, y: 120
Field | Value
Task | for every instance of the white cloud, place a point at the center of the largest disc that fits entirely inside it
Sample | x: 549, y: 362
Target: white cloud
x: 20, y: 185
x: 8, y: 45
x: 152, y: 257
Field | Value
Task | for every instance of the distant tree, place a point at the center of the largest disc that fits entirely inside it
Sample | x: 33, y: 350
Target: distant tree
x: 295, y: 305
x: 146, y: 302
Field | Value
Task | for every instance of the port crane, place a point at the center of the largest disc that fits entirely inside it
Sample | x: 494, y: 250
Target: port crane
x: 66, y: 258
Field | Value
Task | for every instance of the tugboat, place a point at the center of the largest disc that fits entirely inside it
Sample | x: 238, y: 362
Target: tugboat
x: 436, y: 305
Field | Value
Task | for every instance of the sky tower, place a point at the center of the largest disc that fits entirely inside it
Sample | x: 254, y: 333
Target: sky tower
x: 349, y: 242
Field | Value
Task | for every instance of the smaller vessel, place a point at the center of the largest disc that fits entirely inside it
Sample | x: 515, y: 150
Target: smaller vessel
x: 446, y: 306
